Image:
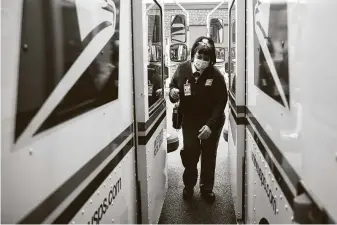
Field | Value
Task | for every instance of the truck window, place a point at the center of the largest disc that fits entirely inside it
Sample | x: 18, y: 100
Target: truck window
x: 51, y: 43
x: 155, y: 54
x: 232, y: 50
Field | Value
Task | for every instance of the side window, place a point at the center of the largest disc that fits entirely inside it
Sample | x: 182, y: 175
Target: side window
x: 155, y: 56
x: 52, y: 69
x: 232, y: 50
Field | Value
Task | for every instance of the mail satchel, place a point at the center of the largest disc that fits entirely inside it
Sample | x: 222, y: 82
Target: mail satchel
x: 177, y: 117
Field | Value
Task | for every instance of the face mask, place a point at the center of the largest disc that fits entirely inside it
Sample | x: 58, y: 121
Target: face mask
x: 201, y: 64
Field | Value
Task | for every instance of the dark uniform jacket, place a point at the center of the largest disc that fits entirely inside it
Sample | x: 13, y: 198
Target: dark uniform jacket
x: 208, y: 98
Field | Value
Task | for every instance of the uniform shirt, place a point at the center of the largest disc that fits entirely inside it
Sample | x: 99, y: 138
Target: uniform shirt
x: 208, y: 98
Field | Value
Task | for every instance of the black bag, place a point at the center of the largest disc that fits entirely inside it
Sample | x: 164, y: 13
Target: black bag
x: 177, y: 117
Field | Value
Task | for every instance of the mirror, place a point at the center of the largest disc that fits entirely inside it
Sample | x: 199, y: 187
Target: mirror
x: 178, y: 52
x: 154, y: 53
x: 216, y: 30
x: 227, y: 67
x: 178, y: 29
x: 220, y: 54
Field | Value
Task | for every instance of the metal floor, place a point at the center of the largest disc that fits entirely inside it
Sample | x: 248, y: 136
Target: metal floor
x: 178, y: 211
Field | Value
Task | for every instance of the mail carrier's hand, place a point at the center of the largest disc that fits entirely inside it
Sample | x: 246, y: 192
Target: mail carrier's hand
x: 174, y: 93
x: 205, y: 132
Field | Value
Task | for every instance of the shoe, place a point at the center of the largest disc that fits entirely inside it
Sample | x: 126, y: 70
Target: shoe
x: 208, y: 196
x: 188, y: 193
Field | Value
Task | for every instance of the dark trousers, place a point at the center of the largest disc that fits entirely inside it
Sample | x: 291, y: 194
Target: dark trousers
x: 190, y: 155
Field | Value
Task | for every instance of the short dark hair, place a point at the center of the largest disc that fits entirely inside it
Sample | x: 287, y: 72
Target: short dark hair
x: 202, y: 48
